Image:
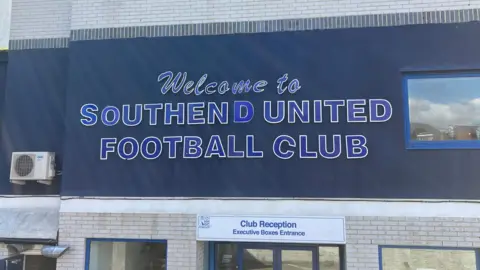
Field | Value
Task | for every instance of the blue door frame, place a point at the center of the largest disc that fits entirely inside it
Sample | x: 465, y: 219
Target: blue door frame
x: 277, y: 252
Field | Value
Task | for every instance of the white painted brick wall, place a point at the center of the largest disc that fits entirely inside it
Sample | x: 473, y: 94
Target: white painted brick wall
x: 40, y: 19
x: 108, y: 13
x: 5, y: 8
x: 55, y: 18
x: 200, y: 254
x: 183, y: 251
x: 364, y: 234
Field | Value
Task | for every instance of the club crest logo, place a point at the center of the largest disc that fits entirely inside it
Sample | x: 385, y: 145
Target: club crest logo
x: 204, y: 222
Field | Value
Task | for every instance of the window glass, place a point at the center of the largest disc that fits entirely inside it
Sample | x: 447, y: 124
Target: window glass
x: 34, y: 262
x: 444, y: 108
x: 329, y: 258
x: 297, y: 259
x: 127, y: 255
x: 438, y: 259
x: 225, y: 256
x: 257, y: 259
x: 289, y: 257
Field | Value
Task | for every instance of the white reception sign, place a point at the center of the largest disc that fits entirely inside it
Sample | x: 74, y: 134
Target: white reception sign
x: 281, y: 229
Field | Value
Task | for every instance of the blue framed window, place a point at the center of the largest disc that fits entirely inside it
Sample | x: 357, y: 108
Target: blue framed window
x: 407, y: 257
x: 276, y: 256
x: 128, y: 254
x: 442, y: 111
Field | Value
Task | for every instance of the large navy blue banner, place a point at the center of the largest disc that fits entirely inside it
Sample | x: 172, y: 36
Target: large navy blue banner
x: 294, y: 114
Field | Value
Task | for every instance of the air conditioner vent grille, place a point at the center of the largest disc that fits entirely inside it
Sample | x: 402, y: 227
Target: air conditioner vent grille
x: 32, y: 166
x: 24, y: 165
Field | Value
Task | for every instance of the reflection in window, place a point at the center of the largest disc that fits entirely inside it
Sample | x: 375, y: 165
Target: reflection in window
x: 444, y: 108
x: 225, y: 256
x: 329, y: 258
x: 438, y: 259
x: 106, y: 255
x: 297, y: 259
x: 233, y: 256
x: 257, y: 259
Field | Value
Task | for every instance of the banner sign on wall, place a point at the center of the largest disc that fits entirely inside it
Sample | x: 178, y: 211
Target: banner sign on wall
x: 237, y: 112
x: 280, y: 229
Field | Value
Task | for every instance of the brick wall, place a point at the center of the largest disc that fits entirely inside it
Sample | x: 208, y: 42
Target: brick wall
x: 364, y: 234
x: 107, y: 13
x: 183, y: 251
x: 34, y: 19
x: 40, y: 19
x: 4, y: 23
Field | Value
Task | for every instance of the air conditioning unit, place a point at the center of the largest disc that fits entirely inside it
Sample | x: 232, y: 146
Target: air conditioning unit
x: 32, y: 166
